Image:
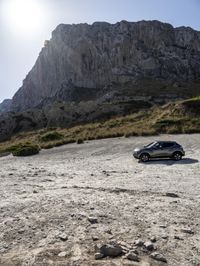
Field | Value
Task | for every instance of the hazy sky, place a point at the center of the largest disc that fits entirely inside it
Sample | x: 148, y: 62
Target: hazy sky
x: 26, y: 24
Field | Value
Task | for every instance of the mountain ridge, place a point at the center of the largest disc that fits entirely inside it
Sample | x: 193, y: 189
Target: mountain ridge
x: 98, y: 55
x: 97, y: 71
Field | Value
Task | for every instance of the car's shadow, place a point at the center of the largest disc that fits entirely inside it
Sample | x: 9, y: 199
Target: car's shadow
x: 171, y: 162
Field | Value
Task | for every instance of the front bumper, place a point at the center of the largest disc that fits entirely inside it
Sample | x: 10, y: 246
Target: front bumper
x: 136, y: 155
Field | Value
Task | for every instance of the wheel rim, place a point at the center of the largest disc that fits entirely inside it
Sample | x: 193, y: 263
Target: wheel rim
x: 177, y: 156
x: 144, y: 158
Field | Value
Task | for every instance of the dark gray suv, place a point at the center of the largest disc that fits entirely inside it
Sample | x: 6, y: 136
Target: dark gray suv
x: 159, y: 149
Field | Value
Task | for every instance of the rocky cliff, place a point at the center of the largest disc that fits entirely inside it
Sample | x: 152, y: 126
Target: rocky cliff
x: 91, y: 72
x: 86, y: 62
x: 5, y: 106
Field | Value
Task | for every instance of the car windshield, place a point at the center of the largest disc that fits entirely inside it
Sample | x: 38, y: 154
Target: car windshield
x: 150, y: 145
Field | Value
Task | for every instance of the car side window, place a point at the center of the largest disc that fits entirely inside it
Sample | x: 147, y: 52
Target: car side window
x: 168, y: 145
x: 158, y: 145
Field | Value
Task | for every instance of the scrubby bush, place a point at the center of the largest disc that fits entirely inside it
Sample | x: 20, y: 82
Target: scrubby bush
x: 51, y: 136
x: 80, y: 141
x: 26, y: 149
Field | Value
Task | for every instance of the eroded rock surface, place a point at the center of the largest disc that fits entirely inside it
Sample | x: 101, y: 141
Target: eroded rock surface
x: 86, y: 62
x: 87, y: 73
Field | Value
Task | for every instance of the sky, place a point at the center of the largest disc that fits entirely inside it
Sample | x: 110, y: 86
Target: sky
x: 26, y: 24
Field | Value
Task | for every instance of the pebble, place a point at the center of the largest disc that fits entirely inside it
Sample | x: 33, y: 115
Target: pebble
x: 132, y: 256
x: 62, y: 254
x: 172, y: 195
x: 139, y: 242
x: 95, y: 238
x: 98, y: 256
x: 153, y: 239
x: 108, y: 231
x: 178, y: 238
x: 21, y: 231
x: 157, y: 256
x: 163, y: 226
x: 149, y: 245
x: 63, y: 237
x: 111, y: 250
x: 93, y: 220
x: 187, y: 231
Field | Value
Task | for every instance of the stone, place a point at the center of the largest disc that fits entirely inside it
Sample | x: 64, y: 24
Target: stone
x: 111, y: 250
x: 159, y: 257
x: 108, y: 231
x: 178, y: 238
x: 153, y: 239
x: 21, y: 231
x: 62, y: 254
x: 172, y: 195
x: 162, y: 226
x: 95, y: 238
x: 187, y: 231
x: 132, y: 256
x: 93, y: 220
x: 149, y: 245
x: 98, y: 256
x: 63, y: 237
x: 139, y: 242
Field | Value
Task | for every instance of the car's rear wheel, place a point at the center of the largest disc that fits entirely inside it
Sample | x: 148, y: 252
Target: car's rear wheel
x: 144, y: 157
x: 177, y: 156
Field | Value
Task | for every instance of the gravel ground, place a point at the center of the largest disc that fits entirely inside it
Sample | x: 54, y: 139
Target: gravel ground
x: 58, y: 207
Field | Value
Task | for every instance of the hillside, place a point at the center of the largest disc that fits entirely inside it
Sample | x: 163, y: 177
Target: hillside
x: 171, y: 118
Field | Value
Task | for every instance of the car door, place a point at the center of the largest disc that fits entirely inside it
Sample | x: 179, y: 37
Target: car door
x: 168, y: 147
x: 158, y: 150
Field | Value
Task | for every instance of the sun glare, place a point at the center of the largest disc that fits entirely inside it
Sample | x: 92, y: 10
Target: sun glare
x: 24, y: 17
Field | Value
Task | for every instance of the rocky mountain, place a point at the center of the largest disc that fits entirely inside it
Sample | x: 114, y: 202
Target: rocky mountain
x: 5, y: 106
x: 91, y: 72
x: 83, y: 61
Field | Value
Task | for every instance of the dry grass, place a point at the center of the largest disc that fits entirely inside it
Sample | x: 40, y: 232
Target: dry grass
x: 174, y: 118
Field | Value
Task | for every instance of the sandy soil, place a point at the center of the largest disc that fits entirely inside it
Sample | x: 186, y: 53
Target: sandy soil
x: 47, y: 200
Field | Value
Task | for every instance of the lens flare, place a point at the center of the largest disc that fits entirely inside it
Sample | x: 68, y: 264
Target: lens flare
x: 24, y: 17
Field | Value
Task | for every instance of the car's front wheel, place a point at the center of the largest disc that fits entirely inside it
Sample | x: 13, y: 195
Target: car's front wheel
x: 177, y: 156
x: 144, y: 157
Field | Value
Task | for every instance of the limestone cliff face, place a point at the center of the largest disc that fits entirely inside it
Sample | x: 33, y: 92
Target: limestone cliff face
x: 90, y: 62
x: 88, y: 73
x: 5, y: 106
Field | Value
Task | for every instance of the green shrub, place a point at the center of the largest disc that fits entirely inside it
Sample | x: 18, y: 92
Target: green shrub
x: 50, y: 136
x: 26, y: 149
x: 169, y: 122
x: 79, y: 141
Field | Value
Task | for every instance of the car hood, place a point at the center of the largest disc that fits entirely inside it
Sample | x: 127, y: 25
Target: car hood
x: 139, y: 149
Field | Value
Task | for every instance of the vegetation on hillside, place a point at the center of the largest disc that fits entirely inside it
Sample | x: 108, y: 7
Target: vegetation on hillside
x: 51, y: 136
x: 24, y: 149
x: 172, y: 118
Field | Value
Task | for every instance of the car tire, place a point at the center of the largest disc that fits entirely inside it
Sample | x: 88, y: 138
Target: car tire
x: 144, y: 157
x: 177, y: 156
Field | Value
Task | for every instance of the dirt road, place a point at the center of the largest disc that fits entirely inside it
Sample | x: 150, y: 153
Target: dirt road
x: 57, y: 206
